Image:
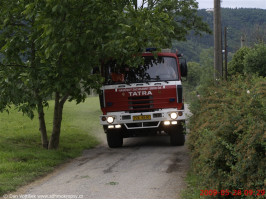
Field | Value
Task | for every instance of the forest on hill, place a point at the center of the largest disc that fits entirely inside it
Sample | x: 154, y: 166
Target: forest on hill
x: 250, y: 24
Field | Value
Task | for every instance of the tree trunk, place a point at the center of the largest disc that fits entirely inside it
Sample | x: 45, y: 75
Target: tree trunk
x: 42, y: 126
x: 58, y: 113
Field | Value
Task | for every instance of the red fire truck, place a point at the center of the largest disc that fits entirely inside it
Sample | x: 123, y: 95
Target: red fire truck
x: 146, y: 100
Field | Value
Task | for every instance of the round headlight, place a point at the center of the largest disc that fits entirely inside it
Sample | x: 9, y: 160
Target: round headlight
x: 173, y: 115
x: 110, y: 120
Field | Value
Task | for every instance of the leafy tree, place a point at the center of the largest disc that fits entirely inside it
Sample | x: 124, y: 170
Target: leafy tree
x: 236, y: 66
x: 207, y: 63
x: 50, y: 47
x: 255, y: 60
x: 153, y: 23
x: 37, y: 66
x: 249, y: 60
x: 184, y: 17
x: 192, y: 81
x: 200, y: 75
x: 21, y: 72
x: 193, y: 78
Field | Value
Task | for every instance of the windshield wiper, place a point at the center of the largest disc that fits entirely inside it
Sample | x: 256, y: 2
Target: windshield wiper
x: 155, y: 79
x: 158, y: 79
x: 127, y: 83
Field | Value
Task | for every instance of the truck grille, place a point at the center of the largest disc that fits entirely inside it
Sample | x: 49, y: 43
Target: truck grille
x: 140, y: 104
x: 142, y: 125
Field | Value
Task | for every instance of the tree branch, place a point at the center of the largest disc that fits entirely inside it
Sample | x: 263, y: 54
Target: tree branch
x: 63, y: 100
x: 14, y: 65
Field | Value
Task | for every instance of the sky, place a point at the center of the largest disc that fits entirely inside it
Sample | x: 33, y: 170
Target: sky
x: 234, y: 4
x: 231, y: 3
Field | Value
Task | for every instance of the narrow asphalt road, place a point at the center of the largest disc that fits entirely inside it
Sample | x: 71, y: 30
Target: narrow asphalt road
x: 144, y: 168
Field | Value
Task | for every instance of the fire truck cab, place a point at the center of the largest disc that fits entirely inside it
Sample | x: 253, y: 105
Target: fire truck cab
x: 146, y: 100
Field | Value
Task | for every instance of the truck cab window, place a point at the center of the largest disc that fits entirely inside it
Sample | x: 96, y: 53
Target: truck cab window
x: 153, y: 69
x: 163, y: 68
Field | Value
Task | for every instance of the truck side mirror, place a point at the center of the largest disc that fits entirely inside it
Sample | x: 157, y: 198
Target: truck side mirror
x: 183, y: 67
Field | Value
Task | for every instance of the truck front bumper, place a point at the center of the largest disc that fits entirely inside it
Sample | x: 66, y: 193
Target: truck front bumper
x: 166, y: 117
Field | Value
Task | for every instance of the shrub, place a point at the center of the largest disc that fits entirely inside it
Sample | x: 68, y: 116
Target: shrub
x: 236, y: 66
x: 227, y: 135
x: 255, y: 60
x: 249, y: 61
x: 193, y: 77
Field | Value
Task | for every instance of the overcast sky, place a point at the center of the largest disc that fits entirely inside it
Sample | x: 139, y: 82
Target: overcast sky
x: 231, y: 3
x: 234, y: 4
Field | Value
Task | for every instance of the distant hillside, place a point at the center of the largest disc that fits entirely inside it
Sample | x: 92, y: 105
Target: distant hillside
x: 249, y: 23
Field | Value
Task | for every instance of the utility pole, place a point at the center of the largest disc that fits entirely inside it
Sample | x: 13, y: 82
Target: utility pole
x: 218, y: 58
x: 225, y: 53
x: 243, y: 40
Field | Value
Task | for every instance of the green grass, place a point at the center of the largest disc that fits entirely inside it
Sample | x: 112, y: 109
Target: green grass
x: 193, y: 188
x: 22, y: 159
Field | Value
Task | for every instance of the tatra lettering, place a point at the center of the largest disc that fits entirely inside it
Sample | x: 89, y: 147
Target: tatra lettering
x: 139, y: 93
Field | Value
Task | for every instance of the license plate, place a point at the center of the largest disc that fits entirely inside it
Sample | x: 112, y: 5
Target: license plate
x: 141, y: 117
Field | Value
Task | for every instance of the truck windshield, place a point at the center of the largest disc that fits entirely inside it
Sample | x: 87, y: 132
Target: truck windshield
x: 153, y: 69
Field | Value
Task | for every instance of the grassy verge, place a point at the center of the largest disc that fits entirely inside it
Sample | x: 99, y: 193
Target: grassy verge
x: 21, y: 157
x: 193, y: 186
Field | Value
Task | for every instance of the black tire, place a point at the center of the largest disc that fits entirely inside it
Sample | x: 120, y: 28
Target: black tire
x: 114, y: 138
x: 177, y: 136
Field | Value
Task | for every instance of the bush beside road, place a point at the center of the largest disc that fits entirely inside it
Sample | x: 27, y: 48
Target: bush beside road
x: 227, y: 140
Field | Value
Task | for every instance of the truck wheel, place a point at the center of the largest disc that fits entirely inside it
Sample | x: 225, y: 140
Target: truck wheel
x: 177, y: 136
x: 114, y: 139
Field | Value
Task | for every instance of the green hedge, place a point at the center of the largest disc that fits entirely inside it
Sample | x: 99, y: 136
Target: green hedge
x: 227, y: 136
